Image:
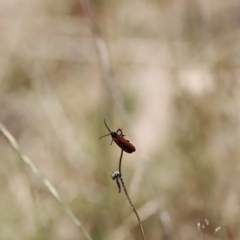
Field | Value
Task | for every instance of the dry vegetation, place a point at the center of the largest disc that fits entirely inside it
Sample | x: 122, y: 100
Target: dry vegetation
x: 176, y: 70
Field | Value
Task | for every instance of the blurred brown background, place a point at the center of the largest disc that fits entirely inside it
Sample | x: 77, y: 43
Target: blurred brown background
x: 175, y: 68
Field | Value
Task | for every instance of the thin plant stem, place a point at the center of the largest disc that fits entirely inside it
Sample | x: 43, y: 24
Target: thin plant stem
x: 13, y: 143
x: 120, y: 163
x: 129, y: 200
x: 104, y: 58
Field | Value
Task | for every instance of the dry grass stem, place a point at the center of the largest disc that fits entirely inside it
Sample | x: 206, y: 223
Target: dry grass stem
x: 104, y: 58
x: 13, y: 143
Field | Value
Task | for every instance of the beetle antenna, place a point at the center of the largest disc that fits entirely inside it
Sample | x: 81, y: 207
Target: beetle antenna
x: 107, y: 126
x: 108, y: 130
x: 104, y: 136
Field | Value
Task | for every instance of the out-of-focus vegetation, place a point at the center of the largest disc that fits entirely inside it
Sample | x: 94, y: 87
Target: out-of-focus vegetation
x: 176, y: 67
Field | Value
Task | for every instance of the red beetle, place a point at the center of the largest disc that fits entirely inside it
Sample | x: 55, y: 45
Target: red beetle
x: 119, y: 139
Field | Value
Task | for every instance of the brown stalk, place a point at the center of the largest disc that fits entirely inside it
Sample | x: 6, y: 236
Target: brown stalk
x: 118, y: 175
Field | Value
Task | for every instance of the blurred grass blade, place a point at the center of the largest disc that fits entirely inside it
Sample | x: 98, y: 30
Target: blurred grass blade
x: 45, y: 181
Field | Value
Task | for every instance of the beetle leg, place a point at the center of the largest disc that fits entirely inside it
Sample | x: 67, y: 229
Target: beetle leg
x: 121, y: 132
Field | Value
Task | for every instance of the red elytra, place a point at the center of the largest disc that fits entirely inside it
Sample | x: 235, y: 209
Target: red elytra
x: 119, y: 139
